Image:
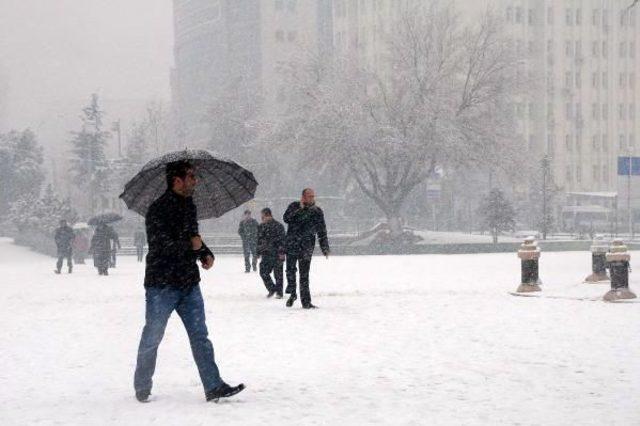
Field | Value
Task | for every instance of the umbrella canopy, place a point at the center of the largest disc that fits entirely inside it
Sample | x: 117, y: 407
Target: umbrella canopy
x: 108, y: 217
x: 223, y: 185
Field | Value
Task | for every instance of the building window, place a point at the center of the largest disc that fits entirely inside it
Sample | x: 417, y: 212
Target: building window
x: 291, y: 5
x: 568, y: 17
x: 578, y: 49
x: 596, y: 17
x: 605, y: 174
x: 605, y: 143
x: 550, y: 143
x: 550, y: 15
x: 531, y: 110
x: 620, y: 111
x: 595, y: 111
x: 605, y: 112
x: 621, y: 142
x: 578, y: 80
x: 605, y: 49
x: 518, y: 15
x: 594, y: 80
x: 595, y: 49
x: 578, y: 16
x: 605, y: 80
x: 509, y: 14
x: 569, y: 174
x: 279, y: 5
x: 605, y: 19
x: 632, y: 79
x: 632, y: 49
x: 632, y: 111
x: 622, y: 80
x: 531, y: 17
x: 632, y: 142
x: 596, y: 169
x: 567, y: 143
x: 594, y: 142
x: 623, y: 49
x: 579, y: 173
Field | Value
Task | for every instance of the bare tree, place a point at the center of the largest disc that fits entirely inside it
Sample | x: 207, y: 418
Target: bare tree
x: 442, y: 96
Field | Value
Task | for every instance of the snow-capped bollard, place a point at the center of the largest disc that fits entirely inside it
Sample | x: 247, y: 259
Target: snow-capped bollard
x: 618, y: 263
x: 529, y: 254
x: 599, y: 250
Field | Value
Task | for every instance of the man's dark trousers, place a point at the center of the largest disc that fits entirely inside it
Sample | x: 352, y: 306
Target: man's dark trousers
x: 270, y: 264
x: 61, y: 255
x: 160, y: 303
x: 304, y: 263
x: 250, y: 248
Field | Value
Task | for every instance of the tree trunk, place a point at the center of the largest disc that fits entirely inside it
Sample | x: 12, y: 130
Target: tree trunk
x: 395, y: 225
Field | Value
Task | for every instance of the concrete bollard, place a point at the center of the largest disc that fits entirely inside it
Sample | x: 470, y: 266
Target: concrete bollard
x: 618, y: 263
x: 599, y: 250
x: 529, y: 254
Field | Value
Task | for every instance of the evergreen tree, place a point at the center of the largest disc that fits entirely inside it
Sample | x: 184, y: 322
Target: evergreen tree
x: 21, y: 170
x: 88, y: 164
x: 498, y: 214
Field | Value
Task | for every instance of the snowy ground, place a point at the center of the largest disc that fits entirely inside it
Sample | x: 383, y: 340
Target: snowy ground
x: 423, y: 340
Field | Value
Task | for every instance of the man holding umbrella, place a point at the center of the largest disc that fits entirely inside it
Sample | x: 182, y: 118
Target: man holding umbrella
x: 172, y: 279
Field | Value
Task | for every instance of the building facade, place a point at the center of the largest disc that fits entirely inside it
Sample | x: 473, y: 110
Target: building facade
x: 582, y: 58
x: 239, y: 46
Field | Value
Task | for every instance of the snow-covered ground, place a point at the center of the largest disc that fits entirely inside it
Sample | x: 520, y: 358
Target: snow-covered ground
x: 422, y: 340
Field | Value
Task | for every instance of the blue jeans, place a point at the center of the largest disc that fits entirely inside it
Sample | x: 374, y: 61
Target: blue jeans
x: 160, y: 303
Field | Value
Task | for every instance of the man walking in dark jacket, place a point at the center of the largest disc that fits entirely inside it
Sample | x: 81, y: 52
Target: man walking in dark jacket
x: 172, y: 283
x: 305, y: 220
x: 248, y: 231
x: 271, y: 249
x: 64, y: 238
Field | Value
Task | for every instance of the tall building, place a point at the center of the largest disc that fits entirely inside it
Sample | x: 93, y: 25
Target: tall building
x: 583, y: 57
x: 240, y: 45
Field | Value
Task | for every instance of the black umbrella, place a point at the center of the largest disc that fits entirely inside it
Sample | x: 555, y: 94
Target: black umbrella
x: 108, y: 217
x: 222, y: 186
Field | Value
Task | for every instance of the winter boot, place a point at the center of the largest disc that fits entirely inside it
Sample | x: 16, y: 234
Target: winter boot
x: 143, y: 396
x: 290, y: 300
x: 223, y: 391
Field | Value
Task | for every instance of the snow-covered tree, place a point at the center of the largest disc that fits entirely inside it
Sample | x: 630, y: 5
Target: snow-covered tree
x: 21, y: 171
x: 88, y: 163
x: 497, y: 213
x: 443, y: 96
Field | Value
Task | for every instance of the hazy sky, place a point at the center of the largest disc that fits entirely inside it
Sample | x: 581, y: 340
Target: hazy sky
x: 55, y: 53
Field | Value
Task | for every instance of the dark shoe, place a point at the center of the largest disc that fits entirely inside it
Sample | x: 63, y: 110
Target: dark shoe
x: 247, y: 271
x: 278, y: 295
x: 255, y: 269
x: 56, y: 271
x: 70, y: 270
x: 309, y: 306
x: 290, y: 301
x: 271, y: 293
x: 223, y: 391
x: 143, y: 396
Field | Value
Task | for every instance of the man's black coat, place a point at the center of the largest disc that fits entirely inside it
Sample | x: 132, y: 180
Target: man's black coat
x: 171, y: 221
x: 304, y: 223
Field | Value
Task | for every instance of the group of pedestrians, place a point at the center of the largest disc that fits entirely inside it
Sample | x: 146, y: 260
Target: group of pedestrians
x: 275, y: 247
x: 104, y: 247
